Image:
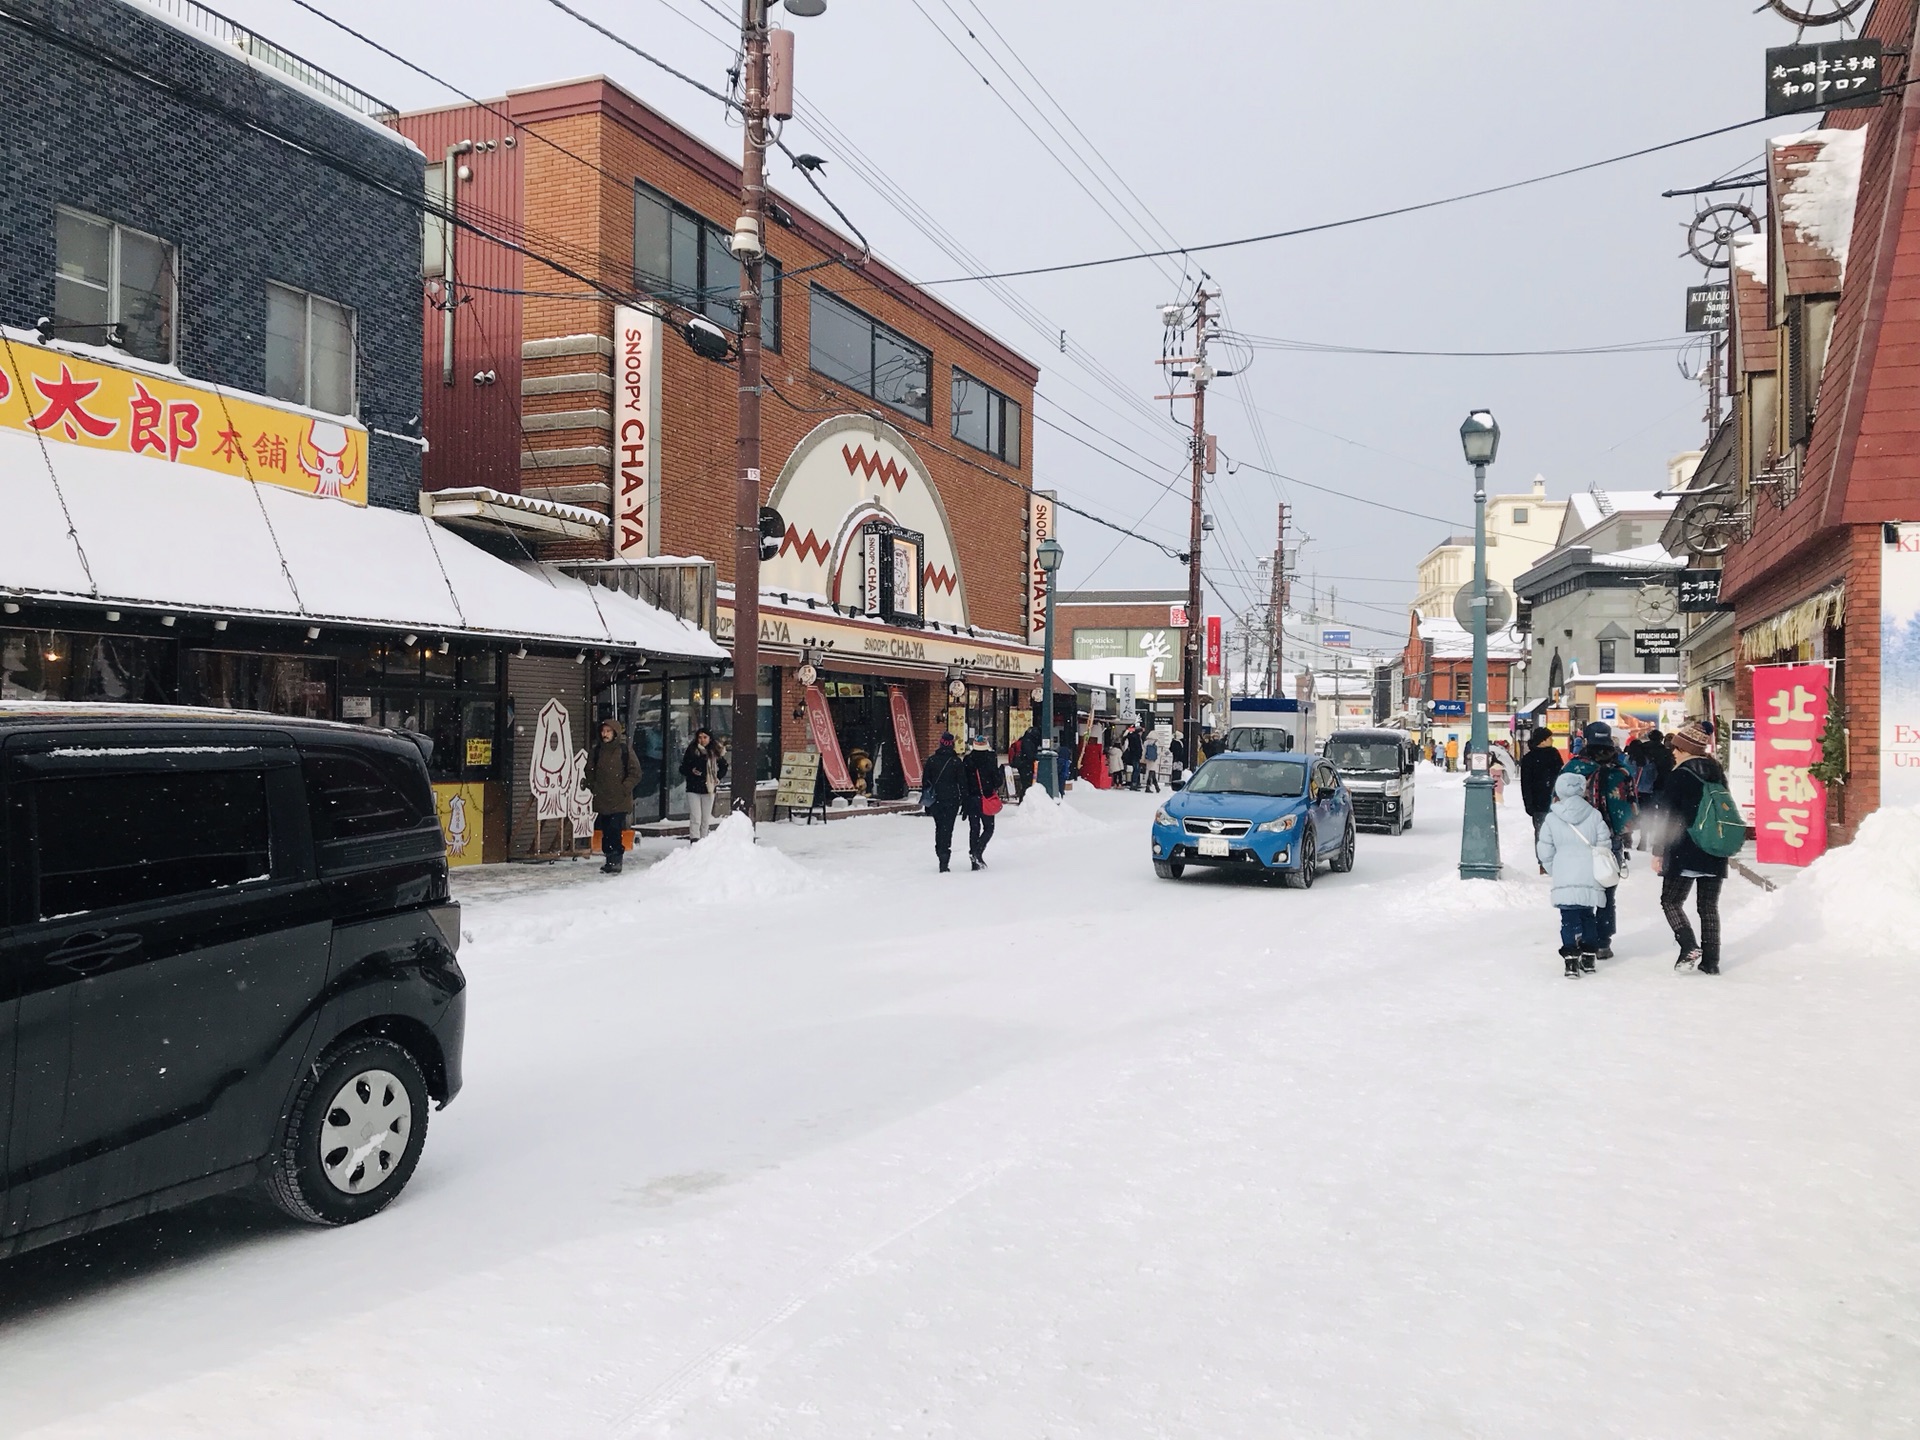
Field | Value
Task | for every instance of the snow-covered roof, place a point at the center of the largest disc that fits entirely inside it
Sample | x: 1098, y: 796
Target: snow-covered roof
x: 1817, y: 181
x: 1450, y: 640
x: 150, y: 534
x: 1640, y: 557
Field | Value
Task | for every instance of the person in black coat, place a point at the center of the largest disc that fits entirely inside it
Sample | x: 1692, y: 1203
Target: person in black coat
x: 1683, y: 865
x: 940, y: 791
x: 1539, y: 768
x: 979, y: 778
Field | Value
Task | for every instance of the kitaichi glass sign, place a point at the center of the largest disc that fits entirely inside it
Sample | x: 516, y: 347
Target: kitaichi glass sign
x: 82, y: 400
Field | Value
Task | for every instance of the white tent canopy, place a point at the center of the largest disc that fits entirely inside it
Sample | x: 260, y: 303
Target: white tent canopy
x: 92, y: 526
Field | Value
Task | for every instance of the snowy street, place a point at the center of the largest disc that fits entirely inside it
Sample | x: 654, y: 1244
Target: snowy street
x: 828, y: 1145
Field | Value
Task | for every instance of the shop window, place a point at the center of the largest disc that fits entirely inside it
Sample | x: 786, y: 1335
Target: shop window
x: 720, y: 719
x: 310, y: 350
x: 685, y: 257
x: 1608, y: 653
x: 106, y: 274
x: 853, y: 348
x: 985, y: 419
x: 105, y: 841
x: 278, y: 684
x: 59, y: 665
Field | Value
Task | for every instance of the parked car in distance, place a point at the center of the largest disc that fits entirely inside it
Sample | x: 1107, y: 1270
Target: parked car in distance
x: 1256, y: 739
x: 227, y: 958
x: 1380, y: 768
x: 1278, y: 813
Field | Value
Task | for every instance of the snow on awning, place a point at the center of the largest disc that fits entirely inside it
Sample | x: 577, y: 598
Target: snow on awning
x: 94, y: 526
x: 480, y: 507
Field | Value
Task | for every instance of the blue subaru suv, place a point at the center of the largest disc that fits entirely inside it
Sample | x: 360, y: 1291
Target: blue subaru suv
x: 1272, y: 813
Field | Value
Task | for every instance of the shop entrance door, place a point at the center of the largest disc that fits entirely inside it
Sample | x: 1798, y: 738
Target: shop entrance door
x: 863, y: 719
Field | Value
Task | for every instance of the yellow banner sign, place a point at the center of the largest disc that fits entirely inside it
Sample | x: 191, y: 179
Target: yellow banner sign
x: 81, y: 400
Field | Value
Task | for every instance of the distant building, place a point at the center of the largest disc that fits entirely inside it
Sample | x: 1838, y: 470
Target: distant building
x: 1520, y: 529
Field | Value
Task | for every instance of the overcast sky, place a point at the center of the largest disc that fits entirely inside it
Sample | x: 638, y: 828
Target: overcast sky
x: 1227, y: 118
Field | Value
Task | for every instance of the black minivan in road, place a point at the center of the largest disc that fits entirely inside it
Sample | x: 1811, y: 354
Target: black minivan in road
x: 227, y: 958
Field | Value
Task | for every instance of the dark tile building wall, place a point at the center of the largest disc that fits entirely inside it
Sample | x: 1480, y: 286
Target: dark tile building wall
x: 242, y: 209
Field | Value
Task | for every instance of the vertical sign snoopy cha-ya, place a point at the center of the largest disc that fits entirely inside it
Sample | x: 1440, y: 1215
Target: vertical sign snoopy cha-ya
x: 636, y: 432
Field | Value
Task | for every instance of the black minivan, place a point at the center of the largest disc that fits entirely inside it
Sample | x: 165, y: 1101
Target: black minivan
x: 227, y: 958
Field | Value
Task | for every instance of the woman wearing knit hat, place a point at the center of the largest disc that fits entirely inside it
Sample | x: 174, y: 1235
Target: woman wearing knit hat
x: 1682, y: 864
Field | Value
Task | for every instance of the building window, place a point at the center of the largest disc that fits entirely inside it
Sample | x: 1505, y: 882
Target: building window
x: 861, y: 353
x: 106, y: 274
x: 309, y: 350
x: 1650, y: 664
x: 1519, y: 514
x: 686, y: 259
x: 985, y: 419
x: 1608, y: 650
x: 1462, y: 686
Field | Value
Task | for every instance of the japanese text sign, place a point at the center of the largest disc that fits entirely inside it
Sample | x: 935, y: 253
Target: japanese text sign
x: 1839, y: 75
x: 1214, y: 644
x: 81, y: 400
x: 1789, y: 805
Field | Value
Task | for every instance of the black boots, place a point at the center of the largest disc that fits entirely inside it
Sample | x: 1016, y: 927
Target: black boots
x: 1587, y: 958
x: 1572, y: 957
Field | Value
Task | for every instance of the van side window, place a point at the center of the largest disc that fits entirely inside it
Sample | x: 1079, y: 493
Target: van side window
x: 111, y: 840
x: 351, y: 794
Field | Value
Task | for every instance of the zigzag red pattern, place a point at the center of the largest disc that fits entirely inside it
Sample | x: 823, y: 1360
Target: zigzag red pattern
x: 858, y: 459
x: 938, y: 578
x: 806, y: 547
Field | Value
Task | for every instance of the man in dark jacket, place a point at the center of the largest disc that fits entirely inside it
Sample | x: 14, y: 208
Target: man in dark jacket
x: 612, y: 770
x: 1683, y: 865
x: 1610, y: 791
x: 1177, y: 752
x: 1539, y: 768
x: 1131, y: 750
x: 979, y: 779
x: 940, y: 796
x: 703, y: 767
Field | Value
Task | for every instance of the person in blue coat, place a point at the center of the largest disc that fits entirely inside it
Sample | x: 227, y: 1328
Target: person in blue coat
x: 1569, y: 836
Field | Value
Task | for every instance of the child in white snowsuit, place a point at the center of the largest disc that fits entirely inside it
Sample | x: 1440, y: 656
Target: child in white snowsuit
x: 1569, y: 835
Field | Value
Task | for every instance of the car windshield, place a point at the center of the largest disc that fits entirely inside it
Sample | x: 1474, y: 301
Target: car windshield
x: 1356, y: 756
x: 1258, y: 737
x: 1227, y: 775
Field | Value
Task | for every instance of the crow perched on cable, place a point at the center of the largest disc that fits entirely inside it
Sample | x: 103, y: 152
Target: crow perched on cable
x: 808, y: 162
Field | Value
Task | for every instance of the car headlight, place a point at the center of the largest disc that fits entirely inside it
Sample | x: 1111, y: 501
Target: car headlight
x: 1392, y: 788
x: 1280, y: 826
x: 1160, y: 816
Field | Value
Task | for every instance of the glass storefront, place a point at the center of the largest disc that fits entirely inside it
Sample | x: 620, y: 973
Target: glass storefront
x: 63, y: 665
x: 278, y: 684
x: 452, y: 699
x: 661, y: 717
x: 990, y: 713
x: 862, y: 711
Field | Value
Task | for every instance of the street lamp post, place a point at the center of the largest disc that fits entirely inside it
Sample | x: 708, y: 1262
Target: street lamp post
x: 1051, y: 554
x: 1480, y: 827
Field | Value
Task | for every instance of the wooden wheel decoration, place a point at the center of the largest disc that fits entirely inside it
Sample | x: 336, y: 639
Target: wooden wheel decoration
x: 1816, y: 12
x: 1711, y: 233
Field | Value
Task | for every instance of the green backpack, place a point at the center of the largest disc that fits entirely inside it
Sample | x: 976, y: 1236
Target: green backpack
x: 1717, y: 826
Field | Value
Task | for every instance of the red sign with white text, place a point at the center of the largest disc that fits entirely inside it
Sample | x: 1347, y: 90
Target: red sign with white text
x: 820, y: 724
x: 1789, y: 805
x: 903, y: 736
x: 1213, y: 644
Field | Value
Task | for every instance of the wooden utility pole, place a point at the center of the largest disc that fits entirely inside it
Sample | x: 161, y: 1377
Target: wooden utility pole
x: 749, y: 247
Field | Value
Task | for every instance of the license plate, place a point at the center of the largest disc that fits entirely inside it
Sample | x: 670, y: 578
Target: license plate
x: 1214, y: 845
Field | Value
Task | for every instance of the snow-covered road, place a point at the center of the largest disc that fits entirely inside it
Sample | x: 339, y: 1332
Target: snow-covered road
x: 1062, y: 1150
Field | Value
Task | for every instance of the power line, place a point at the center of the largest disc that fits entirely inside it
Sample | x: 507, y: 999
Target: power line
x: 1355, y: 219
x: 1310, y: 347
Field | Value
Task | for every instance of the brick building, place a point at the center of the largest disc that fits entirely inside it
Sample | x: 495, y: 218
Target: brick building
x: 210, y: 390
x: 887, y: 415
x: 1438, y: 665
x: 1826, y: 350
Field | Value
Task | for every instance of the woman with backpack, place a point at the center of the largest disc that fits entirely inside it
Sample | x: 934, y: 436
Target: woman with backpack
x: 1695, y: 824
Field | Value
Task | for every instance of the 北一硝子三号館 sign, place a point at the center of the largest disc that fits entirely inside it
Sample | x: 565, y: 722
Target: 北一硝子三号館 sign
x: 78, y: 399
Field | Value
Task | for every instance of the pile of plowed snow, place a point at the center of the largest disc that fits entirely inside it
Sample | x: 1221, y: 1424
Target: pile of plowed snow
x: 1865, y: 897
x: 727, y: 868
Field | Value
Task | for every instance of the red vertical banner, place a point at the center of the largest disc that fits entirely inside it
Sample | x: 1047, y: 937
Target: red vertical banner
x: 1789, y: 805
x: 820, y: 725
x: 903, y: 736
x: 1213, y: 644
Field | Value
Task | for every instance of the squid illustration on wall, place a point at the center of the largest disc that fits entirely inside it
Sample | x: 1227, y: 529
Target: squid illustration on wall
x: 329, y: 442
x: 456, y: 825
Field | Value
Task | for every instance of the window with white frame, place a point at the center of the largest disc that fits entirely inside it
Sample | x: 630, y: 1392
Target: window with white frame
x: 107, y: 275
x: 985, y: 419
x: 309, y: 350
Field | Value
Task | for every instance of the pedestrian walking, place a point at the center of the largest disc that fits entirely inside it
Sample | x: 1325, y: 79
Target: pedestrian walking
x: 1177, y: 754
x: 1575, y: 847
x: 704, y: 766
x: 1498, y: 773
x: 1025, y: 757
x: 1697, y: 829
x: 1150, y: 753
x: 1539, y: 768
x: 1132, y: 752
x: 1652, y: 763
x: 612, y: 770
x: 940, y: 792
x: 1212, y: 743
x: 1609, y: 789
x: 980, y: 795
x: 1453, y: 753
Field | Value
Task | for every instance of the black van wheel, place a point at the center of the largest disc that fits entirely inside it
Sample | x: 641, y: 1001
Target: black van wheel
x: 353, y: 1137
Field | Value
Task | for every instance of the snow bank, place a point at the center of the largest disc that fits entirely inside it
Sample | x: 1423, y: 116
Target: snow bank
x: 727, y: 868
x: 1865, y: 897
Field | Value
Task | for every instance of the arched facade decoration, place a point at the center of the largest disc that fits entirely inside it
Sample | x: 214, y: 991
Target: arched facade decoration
x: 847, y: 471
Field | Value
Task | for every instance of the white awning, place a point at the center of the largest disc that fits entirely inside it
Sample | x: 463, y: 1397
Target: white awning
x: 85, y: 526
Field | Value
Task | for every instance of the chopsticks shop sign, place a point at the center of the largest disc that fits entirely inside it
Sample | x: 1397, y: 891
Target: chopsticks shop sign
x: 79, y: 400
